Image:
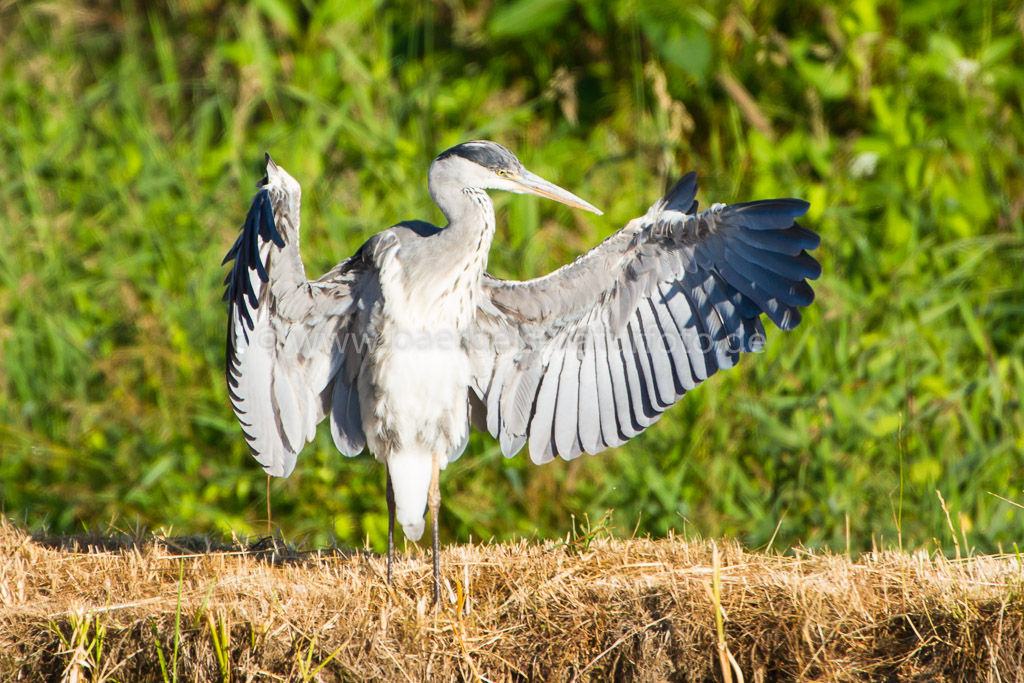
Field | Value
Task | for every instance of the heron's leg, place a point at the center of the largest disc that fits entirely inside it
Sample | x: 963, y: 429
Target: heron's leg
x: 390, y: 495
x: 434, y: 502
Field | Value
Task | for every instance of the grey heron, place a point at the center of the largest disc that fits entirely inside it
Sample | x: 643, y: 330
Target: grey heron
x: 410, y: 340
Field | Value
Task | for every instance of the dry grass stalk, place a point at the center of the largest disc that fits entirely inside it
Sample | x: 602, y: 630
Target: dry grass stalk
x: 949, y: 522
x: 747, y: 104
x: 100, y: 607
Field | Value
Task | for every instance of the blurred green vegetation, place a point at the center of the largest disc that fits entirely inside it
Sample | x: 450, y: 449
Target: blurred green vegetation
x: 131, y: 138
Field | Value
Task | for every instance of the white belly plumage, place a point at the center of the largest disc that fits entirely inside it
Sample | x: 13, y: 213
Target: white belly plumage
x: 417, y: 386
x: 423, y: 392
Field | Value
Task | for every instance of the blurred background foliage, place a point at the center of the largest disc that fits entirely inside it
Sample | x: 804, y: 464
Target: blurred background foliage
x: 131, y: 137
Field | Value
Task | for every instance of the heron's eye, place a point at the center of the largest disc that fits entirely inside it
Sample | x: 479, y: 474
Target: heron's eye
x: 503, y: 173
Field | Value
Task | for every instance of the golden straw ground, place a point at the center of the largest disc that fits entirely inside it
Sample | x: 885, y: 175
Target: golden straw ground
x: 591, y: 610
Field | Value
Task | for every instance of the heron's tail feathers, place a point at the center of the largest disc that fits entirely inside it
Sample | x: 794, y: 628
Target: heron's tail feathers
x: 410, y: 478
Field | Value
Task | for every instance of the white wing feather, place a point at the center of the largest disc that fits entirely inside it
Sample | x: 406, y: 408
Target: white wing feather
x: 284, y: 352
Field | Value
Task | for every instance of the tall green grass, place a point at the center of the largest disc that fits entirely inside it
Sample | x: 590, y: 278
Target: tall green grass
x: 130, y: 139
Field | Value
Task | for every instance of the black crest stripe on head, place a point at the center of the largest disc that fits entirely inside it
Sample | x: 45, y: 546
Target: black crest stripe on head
x: 490, y: 155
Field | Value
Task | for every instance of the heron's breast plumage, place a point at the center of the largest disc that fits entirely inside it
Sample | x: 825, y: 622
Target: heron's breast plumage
x: 419, y: 377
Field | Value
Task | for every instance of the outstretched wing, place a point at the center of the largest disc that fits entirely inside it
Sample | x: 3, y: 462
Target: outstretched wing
x: 592, y: 354
x: 286, y: 340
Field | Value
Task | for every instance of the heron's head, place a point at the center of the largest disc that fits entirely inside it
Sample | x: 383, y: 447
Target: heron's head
x: 486, y: 165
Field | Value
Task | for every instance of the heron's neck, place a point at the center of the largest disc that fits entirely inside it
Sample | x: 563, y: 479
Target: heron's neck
x: 470, y: 229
